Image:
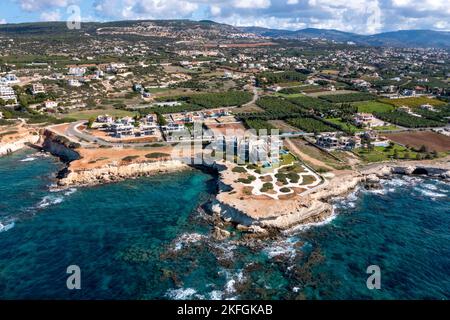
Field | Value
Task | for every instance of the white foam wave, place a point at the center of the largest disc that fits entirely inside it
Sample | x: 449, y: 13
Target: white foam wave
x: 50, y: 200
x: 238, y: 277
x: 306, y: 226
x: 430, y: 194
x: 226, y: 249
x: 431, y: 187
x: 70, y: 191
x: 282, y: 248
x: 186, y: 239
x: 183, y: 294
x: 216, y: 295
x: 28, y: 159
x: 6, y: 227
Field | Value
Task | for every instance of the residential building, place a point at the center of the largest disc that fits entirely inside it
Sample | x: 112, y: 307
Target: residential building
x: 7, y: 94
x: 37, y: 88
x: 331, y: 141
x: 9, y: 79
x: 77, y: 71
x: 105, y: 119
x: 50, y: 104
x: 74, y: 83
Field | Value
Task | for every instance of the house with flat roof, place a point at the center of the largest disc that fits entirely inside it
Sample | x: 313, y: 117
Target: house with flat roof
x: 37, y: 88
x: 8, y: 95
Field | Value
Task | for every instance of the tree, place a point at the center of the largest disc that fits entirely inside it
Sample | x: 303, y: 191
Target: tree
x: 161, y: 120
x: 90, y: 122
x: 396, y: 155
x: 423, y: 149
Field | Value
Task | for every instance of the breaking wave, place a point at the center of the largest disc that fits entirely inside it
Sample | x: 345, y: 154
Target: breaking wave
x: 7, y: 226
x: 183, y: 294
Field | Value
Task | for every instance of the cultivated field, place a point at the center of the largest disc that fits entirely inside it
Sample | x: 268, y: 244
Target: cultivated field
x: 86, y: 114
x: 433, y: 141
x: 372, y: 106
x: 413, y: 102
x: 329, y: 93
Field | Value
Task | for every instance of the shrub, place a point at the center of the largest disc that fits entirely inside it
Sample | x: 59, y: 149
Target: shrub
x: 239, y: 170
x: 130, y: 158
x: 308, y: 180
x: 293, y: 177
x: 156, y: 155
x: 266, y: 187
x: 285, y: 190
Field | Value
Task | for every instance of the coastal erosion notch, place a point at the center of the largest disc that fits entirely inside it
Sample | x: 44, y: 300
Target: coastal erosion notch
x: 60, y: 146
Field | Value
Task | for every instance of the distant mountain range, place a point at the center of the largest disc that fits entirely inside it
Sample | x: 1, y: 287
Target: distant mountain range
x: 402, y: 38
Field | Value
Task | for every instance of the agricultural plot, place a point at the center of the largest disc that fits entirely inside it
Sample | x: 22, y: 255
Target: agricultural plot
x: 258, y: 124
x: 310, y: 125
x: 372, y: 106
x: 342, y: 125
x: 350, y: 97
x: 413, y: 102
x: 407, y: 120
x: 377, y: 154
x: 431, y: 140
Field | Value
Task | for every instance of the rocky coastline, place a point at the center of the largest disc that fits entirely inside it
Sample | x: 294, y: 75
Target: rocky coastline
x: 224, y: 207
x: 20, y: 143
x: 317, y: 206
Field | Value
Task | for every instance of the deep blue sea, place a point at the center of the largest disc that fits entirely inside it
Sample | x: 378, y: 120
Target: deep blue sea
x: 147, y: 239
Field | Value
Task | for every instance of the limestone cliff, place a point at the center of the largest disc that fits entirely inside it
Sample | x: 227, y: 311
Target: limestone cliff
x: 116, y: 172
x: 21, y: 142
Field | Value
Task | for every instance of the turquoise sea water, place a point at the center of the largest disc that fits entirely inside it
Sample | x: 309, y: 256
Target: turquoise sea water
x: 147, y: 239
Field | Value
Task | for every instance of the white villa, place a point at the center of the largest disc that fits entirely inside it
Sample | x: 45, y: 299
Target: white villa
x: 9, y: 79
x: 367, y: 120
x: 7, y: 94
x: 77, y: 71
x: 37, y: 88
x: 74, y: 83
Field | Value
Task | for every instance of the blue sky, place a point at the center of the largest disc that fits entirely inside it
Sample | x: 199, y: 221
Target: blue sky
x: 360, y: 16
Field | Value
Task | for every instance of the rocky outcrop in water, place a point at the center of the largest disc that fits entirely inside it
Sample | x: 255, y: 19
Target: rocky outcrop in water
x: 113, y: 173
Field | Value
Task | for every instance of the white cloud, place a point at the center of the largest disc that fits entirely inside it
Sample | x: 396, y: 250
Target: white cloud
x: 146, y: 9
x: 3, y: 21
x: 32, y: 5
x: 51, y: 16
x: 360, y: 16
x: 215, y: 10
x: 251, y: 4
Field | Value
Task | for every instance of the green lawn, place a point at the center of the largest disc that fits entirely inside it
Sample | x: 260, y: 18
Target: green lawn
x: 345, y: 126
x: 385, y: 153
x: 383, y: 128
x: 287, y: 159
x: 372, y: 106
x: 86, y: 114
x: 294, y: 95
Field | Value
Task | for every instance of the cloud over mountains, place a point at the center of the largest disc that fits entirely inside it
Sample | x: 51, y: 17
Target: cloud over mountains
x: 360, y: 16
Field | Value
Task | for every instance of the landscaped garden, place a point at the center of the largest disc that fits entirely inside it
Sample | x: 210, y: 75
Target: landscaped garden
x: 290, y: 177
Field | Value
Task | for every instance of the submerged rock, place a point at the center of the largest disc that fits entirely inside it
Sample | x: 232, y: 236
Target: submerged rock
x: 221, y: 234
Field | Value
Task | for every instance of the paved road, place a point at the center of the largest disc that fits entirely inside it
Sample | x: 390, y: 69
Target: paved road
x: 73, y: 133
